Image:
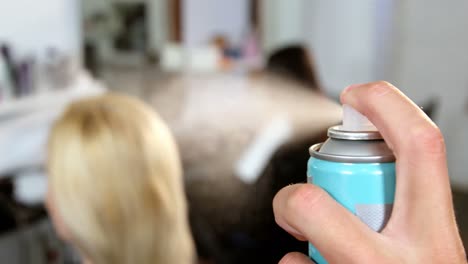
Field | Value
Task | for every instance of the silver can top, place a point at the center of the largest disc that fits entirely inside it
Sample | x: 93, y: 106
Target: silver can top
x: 339, y: 133
x: 353, y: 147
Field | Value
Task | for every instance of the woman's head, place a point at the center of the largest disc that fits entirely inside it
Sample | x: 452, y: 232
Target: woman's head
x: 295, y: 62
x: 115, y: 187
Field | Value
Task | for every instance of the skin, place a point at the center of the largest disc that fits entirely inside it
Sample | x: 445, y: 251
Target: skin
x: 422, y: 228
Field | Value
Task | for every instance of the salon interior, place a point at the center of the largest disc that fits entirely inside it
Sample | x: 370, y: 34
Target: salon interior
x: 245, y: 86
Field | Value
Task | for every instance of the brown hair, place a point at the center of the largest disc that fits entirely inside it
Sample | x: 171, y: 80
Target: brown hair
x: 294, y: 62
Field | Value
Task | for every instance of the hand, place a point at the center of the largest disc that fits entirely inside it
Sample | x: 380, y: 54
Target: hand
x: 422, y: 227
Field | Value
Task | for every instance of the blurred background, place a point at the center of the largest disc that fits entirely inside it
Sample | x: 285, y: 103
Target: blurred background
x: 246, y: 87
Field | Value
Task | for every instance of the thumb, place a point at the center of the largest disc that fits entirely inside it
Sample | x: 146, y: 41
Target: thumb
x: 306, y: 210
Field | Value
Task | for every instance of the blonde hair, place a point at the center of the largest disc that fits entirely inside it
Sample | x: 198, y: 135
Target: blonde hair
x: 115, y: 179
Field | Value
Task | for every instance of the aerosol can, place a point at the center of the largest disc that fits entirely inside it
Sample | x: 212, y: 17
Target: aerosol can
x: 357, y: 168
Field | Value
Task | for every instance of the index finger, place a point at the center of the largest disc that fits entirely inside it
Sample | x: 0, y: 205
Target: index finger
x: 422, y: 177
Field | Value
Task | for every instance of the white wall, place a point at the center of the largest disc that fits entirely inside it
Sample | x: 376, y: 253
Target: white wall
x: 282, y: 23
x: 341, y: 36
x: 432, y: 47
x: 32, y: 26
x: 203, y: 19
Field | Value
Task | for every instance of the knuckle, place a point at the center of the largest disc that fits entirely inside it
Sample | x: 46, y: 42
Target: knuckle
x: 428, y: 138
x: 380, y: 88
x: 306, y: 197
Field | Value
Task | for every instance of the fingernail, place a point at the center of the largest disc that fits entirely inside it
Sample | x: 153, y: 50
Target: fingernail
x: 351, y: 87
x: 382, y: 89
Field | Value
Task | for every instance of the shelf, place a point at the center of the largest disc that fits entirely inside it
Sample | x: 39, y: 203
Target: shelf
x: 17, y: 107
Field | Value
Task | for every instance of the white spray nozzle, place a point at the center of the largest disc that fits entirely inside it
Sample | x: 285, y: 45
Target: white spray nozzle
x: 355, y: 121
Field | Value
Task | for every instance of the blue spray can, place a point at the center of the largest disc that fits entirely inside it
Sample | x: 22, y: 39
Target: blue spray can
x: 356, y: 167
